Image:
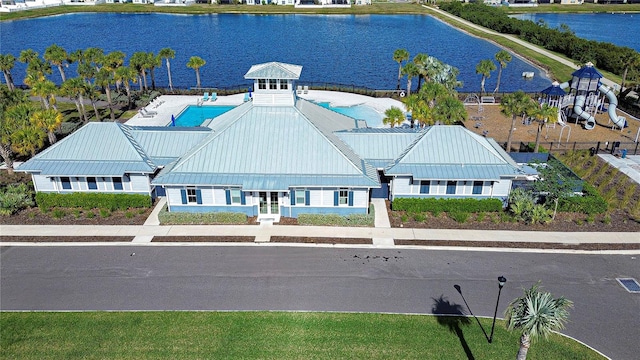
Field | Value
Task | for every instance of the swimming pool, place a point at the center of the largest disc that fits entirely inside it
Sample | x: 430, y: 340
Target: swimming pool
x: 194, y: 115
x: 358, y: 112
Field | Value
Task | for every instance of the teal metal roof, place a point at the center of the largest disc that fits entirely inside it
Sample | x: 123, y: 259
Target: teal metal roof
x: 168, y: 143
x: 274, y: 70
x: 378, y: 147
x: 274, y: 142
x: 453, y: 152
x: 94, y: 149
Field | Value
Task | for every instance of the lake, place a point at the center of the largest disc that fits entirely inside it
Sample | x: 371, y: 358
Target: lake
x: 619, y: 29
x: 345, y: 49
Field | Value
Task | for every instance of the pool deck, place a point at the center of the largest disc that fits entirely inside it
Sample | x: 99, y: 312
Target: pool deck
x: 167, y: 105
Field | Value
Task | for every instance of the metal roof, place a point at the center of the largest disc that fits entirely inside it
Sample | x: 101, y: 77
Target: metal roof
x: 83, y: 168
x: 274, y: 70
x: 162, y: 143
x: 262, y: 182
x: 263, y: 141
x: 588, y: 71
x: 453, y: 152
x: 378, y: 144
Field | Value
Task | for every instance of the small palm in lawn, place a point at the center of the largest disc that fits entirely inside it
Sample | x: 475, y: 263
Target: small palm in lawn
x: 503, y: 58
x: 514, y: 104
x: 485, y: 67
x: 544, y: 114
x: 536, y: 314
x: 168, y: 53
x: 399, y: 56
x: 195, y: 63
x: 393, y: 116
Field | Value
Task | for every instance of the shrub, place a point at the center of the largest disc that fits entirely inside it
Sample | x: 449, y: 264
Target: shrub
x: 590, y: 203
x: 90, y: 215
x: 459, y: 216
x: 337, y: 220
x: 480, y: 217
x: 434, y: 205
x: 14, y: 198
x: 420, y: 217
x: 76, y: 213
x: 404, y: 218
x: 93, y: 200
x: 129, y: 215
x: 58, y: 214
x: 186, y: 218
x: 105, y: 213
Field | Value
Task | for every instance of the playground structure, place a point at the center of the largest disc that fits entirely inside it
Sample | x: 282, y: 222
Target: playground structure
x: 585, y: 98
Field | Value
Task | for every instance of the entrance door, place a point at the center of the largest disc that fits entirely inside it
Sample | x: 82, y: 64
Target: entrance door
x: 269, y: 203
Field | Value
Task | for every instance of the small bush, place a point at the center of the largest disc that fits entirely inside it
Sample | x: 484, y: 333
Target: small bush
x: 76, y: 213
x: 459, y: 216
x: 93, y: 200
x: 90, y: 215
x: 404, y: 218
x: 434, y: 205
x: 591, y: 218
x: 14, y: 198
x: 480, y: 217
x: 105, y: 213
x: 58, y: 214
x: 209, y: 218
x: 590, y: 203
x: 129, y: 215
x: 607, y: 219
x: 337, y: 220
x: 419, y: 217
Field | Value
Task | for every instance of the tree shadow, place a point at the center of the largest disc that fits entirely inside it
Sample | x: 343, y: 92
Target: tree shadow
x: 451, y: 316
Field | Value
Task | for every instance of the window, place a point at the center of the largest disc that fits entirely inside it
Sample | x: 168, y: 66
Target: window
x: 451, y: 187
x: 477, y: 187
x: 92, y: 184
x: 343, y: 197
x: 235, y: 196
x: 192, y: 197
x: 300, y: 197
x: 66, y: 183
x: 283, y: 84
x: 262, y: 84
x: 425, y: 187
x: 117, y: 183
x: 273, y: 84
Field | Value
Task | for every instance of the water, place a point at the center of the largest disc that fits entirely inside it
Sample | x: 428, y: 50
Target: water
x: 618, y: 29
x: 194, y: 115
x: 345, y: 49
x: 358, y: 112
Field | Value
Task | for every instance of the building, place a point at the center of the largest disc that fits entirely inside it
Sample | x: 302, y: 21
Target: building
x: 277, y: 155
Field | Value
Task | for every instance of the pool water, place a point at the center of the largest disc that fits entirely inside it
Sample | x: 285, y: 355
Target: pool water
x: 358, y: 112
x: 195, y: 115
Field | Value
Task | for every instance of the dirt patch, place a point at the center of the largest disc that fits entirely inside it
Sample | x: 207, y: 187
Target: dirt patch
x: 319, y: 240
x: 519, y: 245
x: 66, y: 238
x: 228, y: 239
x: 34, y: 216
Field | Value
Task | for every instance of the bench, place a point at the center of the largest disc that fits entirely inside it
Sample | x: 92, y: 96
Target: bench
x: 488, y: 100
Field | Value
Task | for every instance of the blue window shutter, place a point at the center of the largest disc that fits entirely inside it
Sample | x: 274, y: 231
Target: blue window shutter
x: 243, y: 200
x: 183, y: 194
x: 350, y: 198
x: 307, y: 197
x: 199, y: 196
x: 336, y: 194
x: 292, y: 195
x: 227, y: 194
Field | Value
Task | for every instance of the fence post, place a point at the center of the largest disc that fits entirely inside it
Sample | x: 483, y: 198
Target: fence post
x: 635, y: 152
x: 597, y: 148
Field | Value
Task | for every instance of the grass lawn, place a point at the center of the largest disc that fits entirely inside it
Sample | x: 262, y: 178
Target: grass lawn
x: 275, y: 335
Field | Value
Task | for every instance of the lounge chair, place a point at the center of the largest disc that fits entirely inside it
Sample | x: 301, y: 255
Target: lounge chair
x: 214, y: 97
x: 149, y: 112
x: 144, y: 114
x: 299, y: 91
x: 306, y: 89
x: 205, y: 97
x: 246, y: 97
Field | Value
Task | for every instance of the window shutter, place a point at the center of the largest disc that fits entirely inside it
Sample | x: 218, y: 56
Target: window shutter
x: 307, y: 197
x: 199, y: 196
x: 336, y: 199
x: 183, y: 194
x: 243, y: 199
x: 227, y: 194
x: 292, y: 195
x: 350, y: 198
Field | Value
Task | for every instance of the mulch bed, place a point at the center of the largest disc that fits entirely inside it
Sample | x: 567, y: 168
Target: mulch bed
x: 203, y: 239
x: 66, y: 238
x: 35, y: 216
x: 320, y: 240
x: 519, y: 245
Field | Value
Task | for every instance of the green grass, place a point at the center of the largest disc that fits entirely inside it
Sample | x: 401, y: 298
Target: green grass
x: 583, y: 8
x: 264, y: 335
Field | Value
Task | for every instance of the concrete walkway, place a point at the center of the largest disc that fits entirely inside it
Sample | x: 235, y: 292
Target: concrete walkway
x: 629, y: 166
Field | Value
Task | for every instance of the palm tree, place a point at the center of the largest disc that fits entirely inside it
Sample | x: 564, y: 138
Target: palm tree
x: 94, y: 56
x: 485, y: 67
x: 514, y: 104
x: 543, y: 114
x: 7, y: 62
x: 123, y: 75
x: 449, y: 111
x: 399, y: 56
x: 112, y: 61
x: 413, y: 103
x: 105, y: 80
x: 57, y: 56
x: 152, y: 63
x: 168, y: 53
x: 536, y: 314
x: 46, y: 90
x: 75, y: 89
x: 421, y: 60
x: 631, y: 60
x: 49, y: 120
x: 138, y: 62
x: 23, y: 136
x: 503, y: 58
x: 28, y: 140
x: 393, y: 116
x: 27, y: 56
x: 14, y: 116
x: 411, y: 70
x: 195, y: 63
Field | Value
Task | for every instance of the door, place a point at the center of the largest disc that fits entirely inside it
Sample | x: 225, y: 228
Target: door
x: 269, y: 203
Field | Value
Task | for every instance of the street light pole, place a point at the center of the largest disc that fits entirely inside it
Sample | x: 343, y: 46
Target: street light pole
x: 501, y: 281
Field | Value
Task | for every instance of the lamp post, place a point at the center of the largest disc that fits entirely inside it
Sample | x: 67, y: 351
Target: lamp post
x: 501, y: 281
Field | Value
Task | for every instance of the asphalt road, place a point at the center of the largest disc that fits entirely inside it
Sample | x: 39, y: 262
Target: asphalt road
x: 321, y: 279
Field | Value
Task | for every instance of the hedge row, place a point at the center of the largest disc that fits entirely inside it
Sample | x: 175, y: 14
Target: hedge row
x: 590, y: 203
x: 208, y: 218
x: 338, y: 220
x: 92, y: 201
x: 447, y: 205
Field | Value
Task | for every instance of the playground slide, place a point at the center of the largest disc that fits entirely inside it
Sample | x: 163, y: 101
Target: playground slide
x: 613, y: 103
x: 578, y: 109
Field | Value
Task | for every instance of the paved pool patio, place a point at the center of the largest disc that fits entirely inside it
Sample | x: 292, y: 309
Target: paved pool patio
x: 166, y: 105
